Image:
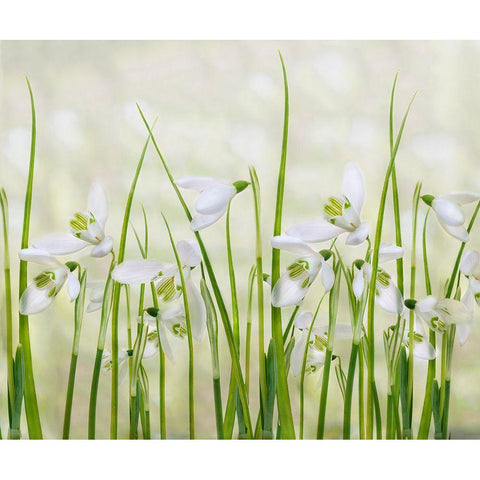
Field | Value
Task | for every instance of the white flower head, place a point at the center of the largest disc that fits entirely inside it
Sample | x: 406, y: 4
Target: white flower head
x: 448, y: 210
x: 44, y: 288
x: 294, y: 284
x: 87, y: 229
x: 107, y: 363
x: 422, y: 348
x: 341, y: 214
x: 213, y: 199
x: 96, y: 288
x: 470, y: 267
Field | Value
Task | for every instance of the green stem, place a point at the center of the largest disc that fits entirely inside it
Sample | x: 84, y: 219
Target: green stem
x: 347, y: 411
x: 248, y: 334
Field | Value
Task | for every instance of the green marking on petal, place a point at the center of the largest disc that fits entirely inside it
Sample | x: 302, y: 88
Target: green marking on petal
x: 334, y: 207
x: 166, y: 289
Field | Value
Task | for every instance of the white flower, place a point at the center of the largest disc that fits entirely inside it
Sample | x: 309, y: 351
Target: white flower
x: 449, y: 212
x: 97, y: 288
x: 470, y: 267
x: 293, y: 285
x: 422, y: 348
x: 87, y: 228
x: 317, y: 344
x: 106, y: 363
x: 41, y: 293
x: 212, y: 202
x: 167, y: 281
x: 342, y: 214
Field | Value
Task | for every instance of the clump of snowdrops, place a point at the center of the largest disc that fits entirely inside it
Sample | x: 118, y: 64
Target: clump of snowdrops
x: 182, y: 298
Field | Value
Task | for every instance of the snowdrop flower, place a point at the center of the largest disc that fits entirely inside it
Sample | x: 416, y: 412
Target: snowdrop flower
x: 387, y: 294
x: 212, y: 202
x: 470, y: 267
x: 87, y: 228
x: 449, y: 213
x: 167, y: 281
x: 106, y: 363
x: 317, y: 344
x: 438, y: 314
x: 341, y: 214
x: 422, y: 348
x: 96, y: 288
x: 41, y: 293
x: 293, y: 285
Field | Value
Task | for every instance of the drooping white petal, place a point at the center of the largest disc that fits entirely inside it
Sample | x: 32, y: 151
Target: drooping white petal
x: 93, y: 307
x: 189, y: 253
x: 424, y: 350
x: 328, y: 276
x: 298, y: 352
x: 35, y: 300
x: 316, y: 230
x: 214, y: 198
x: 343, y: 331
x: 453, y: 311
x: 196, y: 183
x: 448, y: 211
x: 470, y: 262
x: 389, y: 252
x: 427, y: 304
x: 42, y: 257
x: 291, y: 244
x: 200, y: 221
x: 390, y: 299
x: 359, y: 235
x: 73, y: 286
x: 303, y: 320
x: 198, y: 314
x: 358, y: 283
x: 353, y: 186
x: 138, y: 271
x: 62, y: 244
x: 163, y: 334
x: 463, y: 332
x: 462, y: 197
x: 459, y: 232
x: 288, y: 291
x: 103, y: 248
x: 97, y: 202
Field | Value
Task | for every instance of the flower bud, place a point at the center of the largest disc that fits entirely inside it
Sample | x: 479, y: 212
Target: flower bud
x: 240, y: 185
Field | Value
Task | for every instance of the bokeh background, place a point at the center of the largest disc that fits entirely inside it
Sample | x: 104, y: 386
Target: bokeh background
x: 219, y: 107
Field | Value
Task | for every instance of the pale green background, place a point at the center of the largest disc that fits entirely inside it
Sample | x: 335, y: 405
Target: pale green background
x: 219, y: 106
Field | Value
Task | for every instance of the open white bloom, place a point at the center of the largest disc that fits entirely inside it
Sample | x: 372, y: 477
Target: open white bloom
x: 167, y: 281
x: 341, y: 214
x: 422, y: 348
x: 317, y: 344
x: 87, y: 228
x: 106, y: 364
x: 212, y: 202
x: 41, y: 293
x: 387, y: 294
x: 449, y: 212
x: 293, y: 285
x: 470, y: 267
x: 96, y: 288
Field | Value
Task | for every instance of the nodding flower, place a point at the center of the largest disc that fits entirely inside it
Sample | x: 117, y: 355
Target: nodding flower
x: 87, y: 228
x: 341, y: 214
x: 166, y: 278
x: 41, y: 293
x: 213, y: 199
x: 293, y: 285
x: 448, y: 210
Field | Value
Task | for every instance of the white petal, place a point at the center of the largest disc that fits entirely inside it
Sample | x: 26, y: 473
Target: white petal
x: 97, y: 202
x: 460, y: 232
x: 463, y: 332
x: 462, y: 197
x: 316, y: 230
x: 469, y: 262
x: 389, y: 252
x: 60, y: 244
x: 214, y: 198
x: 448, y: 211
x: 36, y: 255
x: 94, y: 306
x: 189, y: 253
x: 359, y: 235
x: 353, y: 186
x: 424, y: 350
x: 453, y: 311
x: 73, y: 286
x: 198, y: 314
x: 358, y: 283
x: 303, y: 320
x: 427, y: 304
x: 390, y: 299
x: 288, y: 291
x: 343, y: 331
x: 137, y: 271
x: 328, y: 276
x: 163, y: 334
x: 292, y: 244
x: 468, y: 298
x: 35, y: 300
x: 196, y: 183
x: 298, y: 352
x: 200, y: 221
x: 103, y: 248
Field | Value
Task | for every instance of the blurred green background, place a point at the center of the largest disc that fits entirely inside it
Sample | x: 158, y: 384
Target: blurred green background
x: 219, y: 107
